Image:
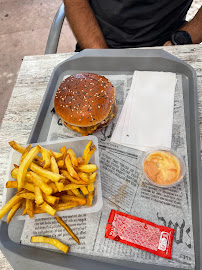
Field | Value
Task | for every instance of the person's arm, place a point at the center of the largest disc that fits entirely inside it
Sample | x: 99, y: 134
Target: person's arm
x: 194, y: 28
x: 84, y: 24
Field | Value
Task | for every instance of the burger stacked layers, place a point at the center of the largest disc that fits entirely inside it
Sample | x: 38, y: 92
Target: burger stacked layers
x: 86, y: 102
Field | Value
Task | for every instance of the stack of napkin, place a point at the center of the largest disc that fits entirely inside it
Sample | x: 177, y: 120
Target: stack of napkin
x: 147, y: 115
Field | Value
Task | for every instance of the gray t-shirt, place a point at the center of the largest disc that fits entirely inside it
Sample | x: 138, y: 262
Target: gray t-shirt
x: 138, y: 23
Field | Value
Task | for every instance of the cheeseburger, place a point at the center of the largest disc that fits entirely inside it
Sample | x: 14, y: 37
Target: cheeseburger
x: 85, y: 102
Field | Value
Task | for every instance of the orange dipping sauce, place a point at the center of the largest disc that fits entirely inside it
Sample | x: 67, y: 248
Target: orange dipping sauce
x: 162, y: 168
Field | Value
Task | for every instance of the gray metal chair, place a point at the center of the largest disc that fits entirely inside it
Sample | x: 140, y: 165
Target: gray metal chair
x: 54, y: 35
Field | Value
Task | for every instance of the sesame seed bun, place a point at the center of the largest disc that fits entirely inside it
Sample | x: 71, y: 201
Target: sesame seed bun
x: 84, y: 99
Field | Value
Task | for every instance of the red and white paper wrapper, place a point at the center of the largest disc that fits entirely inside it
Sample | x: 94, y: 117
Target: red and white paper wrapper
x: 140, y: 233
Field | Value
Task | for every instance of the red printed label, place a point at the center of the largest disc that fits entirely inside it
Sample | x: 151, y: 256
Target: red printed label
x: 140, y: 233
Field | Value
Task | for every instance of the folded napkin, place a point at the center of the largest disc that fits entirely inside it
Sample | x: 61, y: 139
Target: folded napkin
x: 147, y: 115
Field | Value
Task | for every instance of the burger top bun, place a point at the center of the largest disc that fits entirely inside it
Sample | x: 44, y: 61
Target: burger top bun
x: 84, y: 99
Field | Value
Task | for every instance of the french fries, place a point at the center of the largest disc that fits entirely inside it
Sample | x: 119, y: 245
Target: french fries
x: 38, y: 196
x: 45, y: 173
x: 64, y: 206
x: 70, y: 167
x: 46, y: 157
x: 25, y: 165
x: 48, y: 181
x: 13, y: 210
x: 72, y: 157
x: 56, y: 243
x: 30, y: 207
x: 84, y: 190
x: 12, y: 184
x: 67, y: 198
x: 15, y: 199
x: 89, y: 198
x: 40, y: 183
x: 48, y: 209
x: 89, y: 168
x: 17, y: 147
x: 67, y: 228
x: 90, y: 187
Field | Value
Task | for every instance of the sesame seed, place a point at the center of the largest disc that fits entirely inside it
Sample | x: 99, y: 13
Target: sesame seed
x: 79, y: 119
x: 80, y: 111
x: 70, y: 102
x: 98, y: 106
x: 66, y: 105
x: 101, y: 91
x: 83, y: 114
x: 71, y: 115
x: 62, y: 98
x: 56, y: 97
x: 77, y: 112
x: 92, y: 100
x: 61, y: 105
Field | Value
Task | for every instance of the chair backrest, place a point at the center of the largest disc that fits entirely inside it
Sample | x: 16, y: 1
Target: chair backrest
x: 54, y: 35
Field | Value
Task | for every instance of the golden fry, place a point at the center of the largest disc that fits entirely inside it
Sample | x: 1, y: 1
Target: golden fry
x: 48, y: 209
x: 56, y: 155
x: 64, y: 206
x: 60, y: 186
x: 87, y: 168
x: 55, y: 169
x: 45, y: 173
x: 40, y: 183
x: 90, y: 187
x: 54, y: 166
x: 15, y: 199
x: 87, y: 149
x: 84, y: 190
x: 92, y: 177
x: 38, y: 210
x: 70, y: 168
x: 63, y: 150
x: 89, y: 199
x: 14, y: 210
x: 25, y: 165
x: 61, y: 164
x: 30, y: 208
x: 17, y: 147
x: 72, y: 157
x: 54, y: 188
x: 68, y: 176
x: 27, y: 195
x: 72, y: 186
x: 12, y: 184
x: 38, y: 196
x: 46, y: 157
x: 84, y: 177
x: 80, y: 161
x: 29, y: 186
x: 67, y: 228
x: 14, y: 173
x: 67, y: 198
x: 89, y: 154
x: 51, y: 199
x: 56, y: 243
x: 25, y: 153
x: 77, y: 193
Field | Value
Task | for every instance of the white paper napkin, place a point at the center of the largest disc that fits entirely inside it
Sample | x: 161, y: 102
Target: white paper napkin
x: 147, y: 116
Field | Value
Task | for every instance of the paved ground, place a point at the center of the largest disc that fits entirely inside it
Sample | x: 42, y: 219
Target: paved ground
x: 24, y: 29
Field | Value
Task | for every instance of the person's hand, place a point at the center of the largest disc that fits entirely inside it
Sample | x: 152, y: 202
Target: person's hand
x: 168, y: 43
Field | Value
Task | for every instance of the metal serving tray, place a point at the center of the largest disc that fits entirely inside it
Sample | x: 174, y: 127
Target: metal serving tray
x: 123, y: 61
